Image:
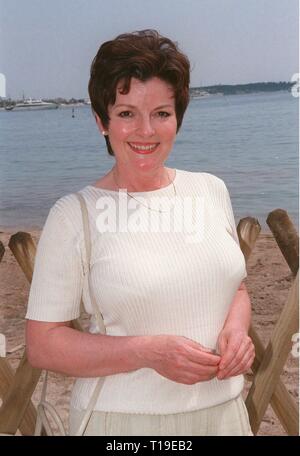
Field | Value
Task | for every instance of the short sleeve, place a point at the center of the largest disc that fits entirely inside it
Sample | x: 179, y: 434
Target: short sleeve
x: 230, y: 217
x: 56, y: 287
x: 229, y: 213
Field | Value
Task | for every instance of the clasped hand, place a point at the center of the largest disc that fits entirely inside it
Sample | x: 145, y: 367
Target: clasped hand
x: 184, y: 360
x: 237, y: 352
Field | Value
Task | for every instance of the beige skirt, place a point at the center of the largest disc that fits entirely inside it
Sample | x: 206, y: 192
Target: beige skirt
x: 229, y: 418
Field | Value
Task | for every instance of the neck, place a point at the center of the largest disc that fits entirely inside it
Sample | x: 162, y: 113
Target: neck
x: 158, y: 179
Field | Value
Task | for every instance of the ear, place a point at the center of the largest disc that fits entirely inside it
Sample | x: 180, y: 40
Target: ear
x: 99, y: 123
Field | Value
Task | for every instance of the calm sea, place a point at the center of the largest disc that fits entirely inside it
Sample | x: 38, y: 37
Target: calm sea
x: 250, y: 141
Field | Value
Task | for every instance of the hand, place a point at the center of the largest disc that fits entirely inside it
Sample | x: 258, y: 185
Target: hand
x: 237, y: 352
x: 181, y: 359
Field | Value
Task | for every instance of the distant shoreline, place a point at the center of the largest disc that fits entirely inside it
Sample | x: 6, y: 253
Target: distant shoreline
x: 193, y: 95
x: 242, y: 89
x: 220, y: 89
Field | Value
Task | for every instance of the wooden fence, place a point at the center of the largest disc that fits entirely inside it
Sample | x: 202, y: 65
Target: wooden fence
x: 16, y: 387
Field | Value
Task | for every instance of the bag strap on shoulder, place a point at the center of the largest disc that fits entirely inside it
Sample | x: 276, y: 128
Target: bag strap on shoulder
x: 87, y: 242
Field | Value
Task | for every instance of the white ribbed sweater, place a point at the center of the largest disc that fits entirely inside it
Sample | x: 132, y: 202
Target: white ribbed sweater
x: 145, y: 283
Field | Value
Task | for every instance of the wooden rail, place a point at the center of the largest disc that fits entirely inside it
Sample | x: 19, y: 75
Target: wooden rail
x: 16, y: 389
x: 267, y: 386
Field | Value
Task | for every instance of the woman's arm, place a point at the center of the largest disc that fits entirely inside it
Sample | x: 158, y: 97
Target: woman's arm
x: 235, y: 346
x: 59, y: 348
x: 239, y: 315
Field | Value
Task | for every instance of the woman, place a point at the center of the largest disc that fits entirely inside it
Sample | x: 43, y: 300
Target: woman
x: 175, y: 309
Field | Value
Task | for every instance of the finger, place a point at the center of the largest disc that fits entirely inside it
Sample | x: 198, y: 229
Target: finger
x: 203, y: 370
x: 237, y: 358
x: 196, y: 373
x: 201, y: 357
x: 198, y: 350
x: 239, y: 370
x: 241, y: 367
x: 237, y: 347
x: 246, y: 351
x: 222, y: 345
x: 206, y: 349
x: 232, y: 349
x: 198, y: 346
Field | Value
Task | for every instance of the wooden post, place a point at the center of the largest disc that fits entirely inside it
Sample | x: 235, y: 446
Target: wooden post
x: 16, y: 410
x: 281, y: 401
x: 280, y: 345
x: 2, y: 250
x: 248, y: 230
x: 24, y: 250
x: 18, y: 397
x: 286, y: 237
x: 27, y: 424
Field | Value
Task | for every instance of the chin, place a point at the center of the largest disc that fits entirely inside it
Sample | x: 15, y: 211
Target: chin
x: 146, y: 163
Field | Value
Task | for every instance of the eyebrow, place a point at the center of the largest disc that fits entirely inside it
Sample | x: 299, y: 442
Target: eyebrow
x: 132, y: 106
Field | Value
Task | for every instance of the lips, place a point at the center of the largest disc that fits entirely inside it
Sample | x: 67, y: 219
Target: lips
x: 143, y: 148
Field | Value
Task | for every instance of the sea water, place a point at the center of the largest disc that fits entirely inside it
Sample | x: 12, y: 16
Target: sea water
x: 250, y: 141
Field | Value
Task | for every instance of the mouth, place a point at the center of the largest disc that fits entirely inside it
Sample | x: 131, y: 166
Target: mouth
x: 143, y: 148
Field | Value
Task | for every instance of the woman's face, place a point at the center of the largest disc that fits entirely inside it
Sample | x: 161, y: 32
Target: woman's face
x: 142, y: 126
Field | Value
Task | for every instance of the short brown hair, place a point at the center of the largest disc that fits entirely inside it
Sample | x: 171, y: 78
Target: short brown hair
x: 142, y: 55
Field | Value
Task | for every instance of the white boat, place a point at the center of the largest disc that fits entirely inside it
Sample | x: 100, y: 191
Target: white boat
x: 31, y: 104
x: 199, y: 94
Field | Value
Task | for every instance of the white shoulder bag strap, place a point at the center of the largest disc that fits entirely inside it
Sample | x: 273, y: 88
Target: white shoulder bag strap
x: 99, y: 318
x: 42, y: 420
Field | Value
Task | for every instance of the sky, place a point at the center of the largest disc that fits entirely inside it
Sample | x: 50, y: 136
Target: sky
x: 46, y: 47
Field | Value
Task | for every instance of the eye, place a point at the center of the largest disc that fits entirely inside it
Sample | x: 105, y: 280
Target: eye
x: 163, y: 114
x: 125, y: 114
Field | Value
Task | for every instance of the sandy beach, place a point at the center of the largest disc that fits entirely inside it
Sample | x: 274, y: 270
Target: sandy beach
x: 268, y: 282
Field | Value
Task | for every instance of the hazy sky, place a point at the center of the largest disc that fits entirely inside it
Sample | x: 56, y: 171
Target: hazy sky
x: 46, y: 47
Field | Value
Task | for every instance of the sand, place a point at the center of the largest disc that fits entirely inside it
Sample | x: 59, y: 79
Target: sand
x: 268, y: 282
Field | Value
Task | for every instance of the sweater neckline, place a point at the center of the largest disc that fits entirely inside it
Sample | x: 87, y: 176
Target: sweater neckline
x: 147, y: 192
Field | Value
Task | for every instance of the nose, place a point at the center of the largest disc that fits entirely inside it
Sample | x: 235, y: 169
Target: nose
x: 145, y: 126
